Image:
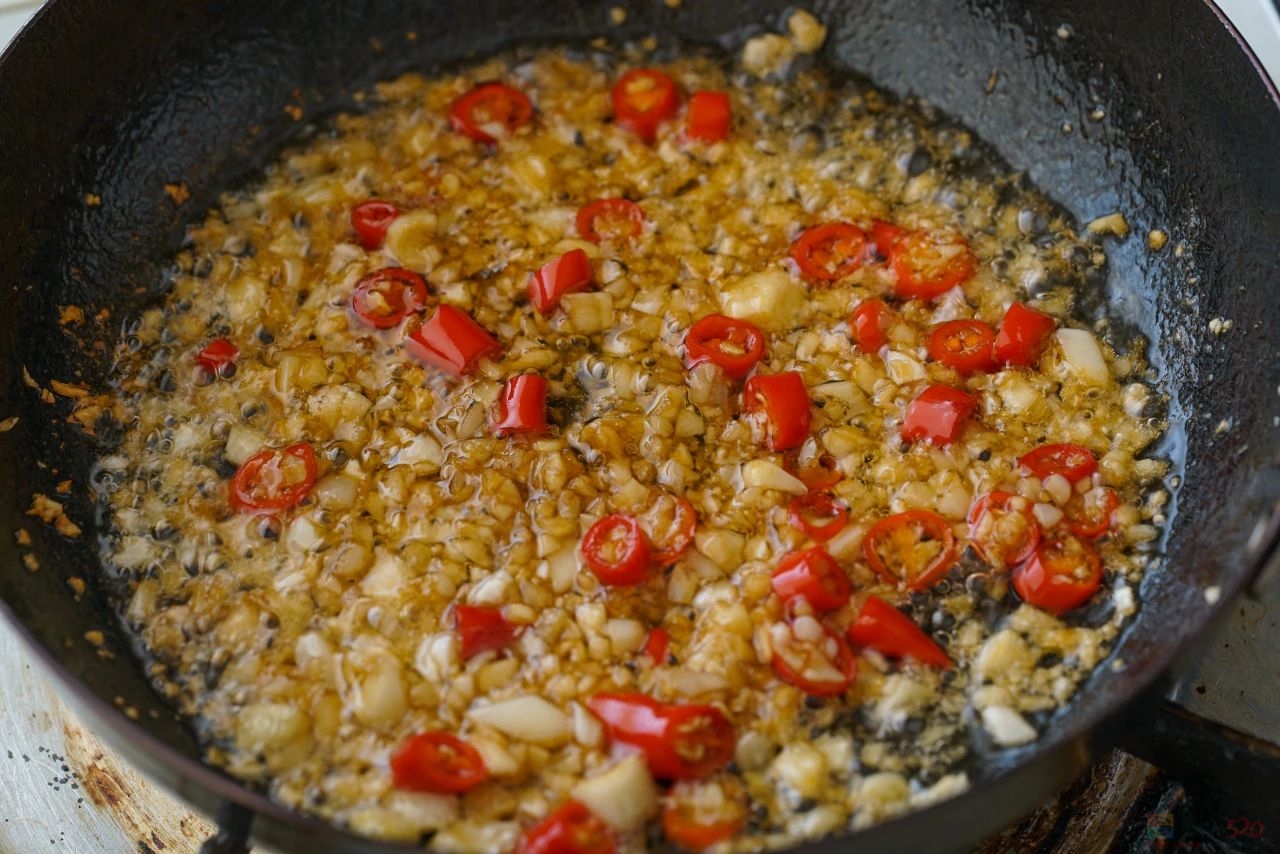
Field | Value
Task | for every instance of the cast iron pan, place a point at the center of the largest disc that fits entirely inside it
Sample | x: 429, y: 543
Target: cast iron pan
x: 1150, y: 107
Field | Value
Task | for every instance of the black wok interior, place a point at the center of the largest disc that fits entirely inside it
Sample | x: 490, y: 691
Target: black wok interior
x: 1149, y: 107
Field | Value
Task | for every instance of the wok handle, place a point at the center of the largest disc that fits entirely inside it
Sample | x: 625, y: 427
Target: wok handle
x: 232, y: 837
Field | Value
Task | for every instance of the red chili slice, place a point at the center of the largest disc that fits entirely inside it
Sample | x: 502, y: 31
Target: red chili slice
x: 452, y: 341
x: 826, y: 253
x: 215, y: 356
x: 781, y: 403
x: 643, y: 98
x: 710, y: 117
x: 669, y: 523
x: 812, y: 657
x: 818, y: 471
x: 386, y: 297
x: 911, y: 549
x: 812, y: 575
x: 616, y: 551
x: 370, y: 220
x: 679, y: 741
x: 1002, y: 529
x: 610, y: 219
x: 735, y: 346
x: 1071, y: 461
x: 437, y: 762
x: 1063, y: 573
x: 884, y: 628
x: 571, y: 829
x: 693, y: 827
x: 1023, y: 335
x: 930, y: 263
x: 567, y: 274
x: 490, y: 112
x: 522, y: 406
x: 817, y: 516
x: 1089, y: 515
x: 656, y: 646
x: 937, y: 415
x: 273, y: 479
x: 964, y: 345
x: 481, y: 629
x: 870, y: 324
x: 883, y: 236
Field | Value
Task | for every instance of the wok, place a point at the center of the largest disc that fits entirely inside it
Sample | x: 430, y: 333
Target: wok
x: 1151, y: 107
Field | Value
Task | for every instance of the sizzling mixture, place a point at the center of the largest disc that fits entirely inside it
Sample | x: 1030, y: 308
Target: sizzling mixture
x: 583, y: 452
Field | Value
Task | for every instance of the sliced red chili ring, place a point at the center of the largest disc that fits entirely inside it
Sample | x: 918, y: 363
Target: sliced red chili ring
x: 216, y: 356
x: 817, y: 516
x: 870, y: 324
x: 273, y: 479
x: 735, y: 346
x: 964, y: 345
x: 911, y: 549
x: 617, y: 551
x: 1089, y: 514
x: 610, y: 219
x: 1071, y: 461
x: 1002, y: 529
x: 571, y: 829
x: 929, y: 263
x: 370, y: 221
x: 813, y: 575
x: 452, y: 341
x: 816, y: 470
x: 1062, y: 573
x: 709, y: 118
x: 669, y: 523
x: 481, y: 628
x: 937, y: 415
x: 643, y: 98
x: 696, y: 825
x: 384, y: 298
x: 490, y: 112
x: 812, y: 657
x: 438, y: 762
x: 883, y: 236
x: 657, y: 645
x: 522, y: 406
x: 1023, y: 335
x: 884, y: 628
x: 684, y: 741
x: 827, y: 253
x: 780, y: 402
x: 569, y: 273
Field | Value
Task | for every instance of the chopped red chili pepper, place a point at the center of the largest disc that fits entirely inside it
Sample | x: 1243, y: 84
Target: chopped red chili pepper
x: 883, y: 236
x: 964, y: 345
x: 815, y: 470
x: 1002, y: 529
x: 735, y: 346
x: 569, y: 273
x: 1063, y: 573
x: 937, y: 415
x: 522, y: 406
x: 817, y: 516
x: 273, y: 479
x: 571, y: 829
x: 1071, y: 461
x: 616, y: 551
x: 911, y: 549
x: 656, y: 646
x: 780, y: 402
x: 216, y: 356
x: 437, y: 762
x: 710, y: 117
x: 1089, y: 514
x: 812, y: 657
x: 451, y: 341
x: 490, y: 112
x: 642, y: 99
x: 1023, y: 334
x: 695, y: 826
x: 370, y: 220
x: 669, y: 523
x: 884, y: 628
x: 930, y: 263
x: 679, y: 741
x: 827, y: 253
x: 384, y: 298
x: 812, y: 575
x: 870, y: 324
x: 610, y: 219
x: 481, y: 629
